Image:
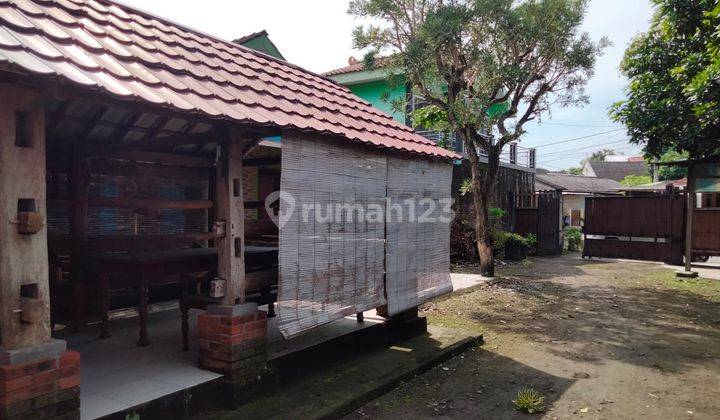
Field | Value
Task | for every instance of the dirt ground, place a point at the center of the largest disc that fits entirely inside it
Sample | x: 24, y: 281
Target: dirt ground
x: 598, y: 339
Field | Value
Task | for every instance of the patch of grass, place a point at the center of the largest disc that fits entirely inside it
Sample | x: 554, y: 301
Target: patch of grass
x: 529, y: 401
x: 700, y: 286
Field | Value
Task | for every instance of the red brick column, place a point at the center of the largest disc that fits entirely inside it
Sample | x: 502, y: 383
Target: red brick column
x: 47, y: 388
x: 231, y: 343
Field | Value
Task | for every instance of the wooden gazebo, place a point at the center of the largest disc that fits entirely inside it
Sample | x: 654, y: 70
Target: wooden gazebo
x: 124, y: 153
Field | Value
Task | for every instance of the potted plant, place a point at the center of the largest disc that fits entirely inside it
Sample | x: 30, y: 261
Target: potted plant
x: 516, y: 247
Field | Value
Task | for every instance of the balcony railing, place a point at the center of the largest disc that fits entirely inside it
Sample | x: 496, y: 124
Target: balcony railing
x: 512, y: 155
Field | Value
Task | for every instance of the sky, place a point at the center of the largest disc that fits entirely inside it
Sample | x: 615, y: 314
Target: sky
x: 317, y: 35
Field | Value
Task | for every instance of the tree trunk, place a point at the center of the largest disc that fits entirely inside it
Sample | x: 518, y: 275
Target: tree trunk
x: 483, y: 183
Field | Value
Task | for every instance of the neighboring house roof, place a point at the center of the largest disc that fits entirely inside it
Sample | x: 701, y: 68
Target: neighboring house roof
x: 657, y: 186
x: 128, y: 54
x: 616, y: 170
x: 575, y: 183
x: 260, y: 41
x: 355, y: 65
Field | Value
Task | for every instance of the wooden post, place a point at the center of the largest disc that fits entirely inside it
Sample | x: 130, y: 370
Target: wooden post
x: 80, y: 182
x: 24, y: 285
x: 690, y: 189
x: 229, y: 209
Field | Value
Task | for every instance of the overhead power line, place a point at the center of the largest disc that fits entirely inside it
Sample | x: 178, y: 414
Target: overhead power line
x: 584, y: 148
x: 559, y: 158
x: 579, y: 138
x: 577, y: 125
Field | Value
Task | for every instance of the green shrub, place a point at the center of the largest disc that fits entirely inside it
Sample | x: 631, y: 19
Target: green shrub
x: 573, y: 235
x: 496, y: 213
x: 531, y: 240
x: 516, y: 239
x: 530, y: 401
x: 498, y: 239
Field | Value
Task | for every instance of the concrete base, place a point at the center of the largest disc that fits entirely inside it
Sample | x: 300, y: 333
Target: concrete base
x: 687, y: 274
x: 53, y: 348
x: 331, y: 389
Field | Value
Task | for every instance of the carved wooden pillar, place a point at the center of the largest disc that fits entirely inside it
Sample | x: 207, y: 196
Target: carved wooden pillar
x: 24, y: 288
x: 38, y: 377
x: 230, y: 212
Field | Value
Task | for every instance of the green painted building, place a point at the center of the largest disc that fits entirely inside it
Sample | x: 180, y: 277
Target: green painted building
x: 260, y: 41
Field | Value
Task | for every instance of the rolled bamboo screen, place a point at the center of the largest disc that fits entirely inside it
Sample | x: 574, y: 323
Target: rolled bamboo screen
x: 417, y: 252
x: 331, y: 265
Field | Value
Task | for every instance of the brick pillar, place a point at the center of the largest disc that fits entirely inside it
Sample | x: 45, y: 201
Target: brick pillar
x: 47, y: 388
x: 232, y: 340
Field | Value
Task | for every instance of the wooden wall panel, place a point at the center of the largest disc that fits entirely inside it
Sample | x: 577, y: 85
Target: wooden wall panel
x: 417, y: 251
x: 330, y: 266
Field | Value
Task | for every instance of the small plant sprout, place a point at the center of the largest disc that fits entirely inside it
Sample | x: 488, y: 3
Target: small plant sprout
x: 530, y: 401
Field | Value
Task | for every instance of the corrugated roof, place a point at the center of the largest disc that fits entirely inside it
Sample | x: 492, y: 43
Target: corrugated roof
x: 575, y: 183
x: 99, y: 44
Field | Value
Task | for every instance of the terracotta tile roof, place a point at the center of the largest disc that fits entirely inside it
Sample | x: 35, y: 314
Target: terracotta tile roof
x: 352, y: 67
x: 99, y: 44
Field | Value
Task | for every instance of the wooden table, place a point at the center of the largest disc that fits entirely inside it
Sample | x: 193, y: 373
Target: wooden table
x: 143, y: 269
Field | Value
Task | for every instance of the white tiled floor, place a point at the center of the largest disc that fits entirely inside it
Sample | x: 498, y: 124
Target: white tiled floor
x: 117, y: 374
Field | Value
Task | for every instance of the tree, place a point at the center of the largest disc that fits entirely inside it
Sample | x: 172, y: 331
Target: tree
x: 600, y: 155
x: 634, y: 180
x: 673, y: 172
x: 673, y: 96
x: 575, y: 170
x: 486, y: 68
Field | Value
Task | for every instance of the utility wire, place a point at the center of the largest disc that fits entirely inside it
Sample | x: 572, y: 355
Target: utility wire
x: 556, y: 158
x: 584, y: 148
x: 577, y: 125
x: 579, y: 138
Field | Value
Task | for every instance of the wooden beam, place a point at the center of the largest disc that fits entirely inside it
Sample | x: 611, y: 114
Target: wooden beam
x: 170, y: 142
x: 156, y: 127
x: 268, y: 161
x: 92, y: 122
x: 149, y: 203
x: 56, y: 117
x: 114, y: 243
x: 122, y: 129
x: 169, y: 159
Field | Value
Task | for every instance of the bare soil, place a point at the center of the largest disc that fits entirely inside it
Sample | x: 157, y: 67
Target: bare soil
x: 599, y: 339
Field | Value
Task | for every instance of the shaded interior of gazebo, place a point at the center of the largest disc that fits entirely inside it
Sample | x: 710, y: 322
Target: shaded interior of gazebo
x: 124, y: 181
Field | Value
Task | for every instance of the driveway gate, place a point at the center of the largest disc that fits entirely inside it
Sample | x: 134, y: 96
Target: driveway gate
x: 641, y: 228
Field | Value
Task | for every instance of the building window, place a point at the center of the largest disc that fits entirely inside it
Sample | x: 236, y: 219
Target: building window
x: 449, y: 139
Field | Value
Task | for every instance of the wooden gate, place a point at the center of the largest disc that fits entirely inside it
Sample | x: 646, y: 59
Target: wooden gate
x: 641, y: 227
x: 706, y: 231
x: 549, y: 223
x: 541, y: 216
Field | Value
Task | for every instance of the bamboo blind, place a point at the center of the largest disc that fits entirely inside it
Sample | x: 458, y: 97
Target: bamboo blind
x: 417, y: 252
x: 330, y: 267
